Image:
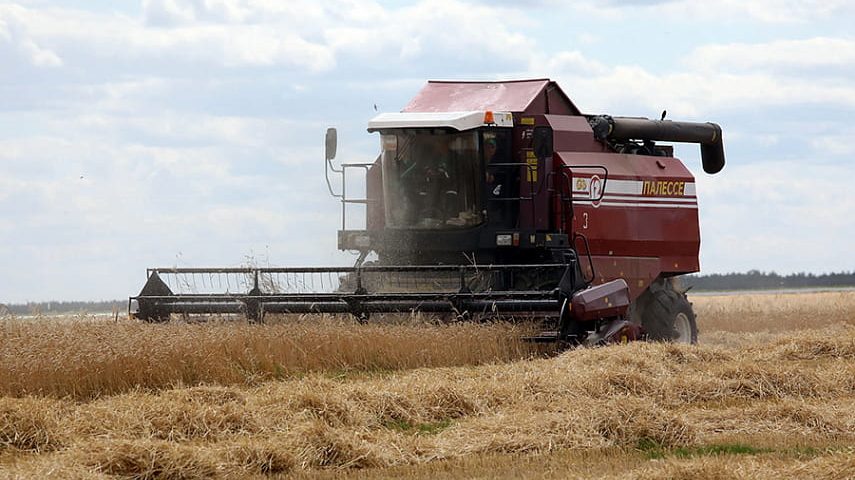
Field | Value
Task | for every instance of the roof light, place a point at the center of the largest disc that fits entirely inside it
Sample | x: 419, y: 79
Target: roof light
x: 488, y: 117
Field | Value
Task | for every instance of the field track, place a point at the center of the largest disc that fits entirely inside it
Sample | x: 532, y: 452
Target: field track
x: 769, y: 393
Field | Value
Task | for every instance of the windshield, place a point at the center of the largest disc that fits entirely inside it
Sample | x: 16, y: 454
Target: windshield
x: 430, y: 178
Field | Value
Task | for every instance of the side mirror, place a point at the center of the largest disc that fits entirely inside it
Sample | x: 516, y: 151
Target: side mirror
x: 332, y: 142
x: 542, y: 142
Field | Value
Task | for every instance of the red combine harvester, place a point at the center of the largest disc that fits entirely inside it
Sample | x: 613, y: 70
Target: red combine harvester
x: 495, y: 199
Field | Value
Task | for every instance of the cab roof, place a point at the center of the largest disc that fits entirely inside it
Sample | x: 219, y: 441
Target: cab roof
x: 459, y: 121
x: 537, y: 96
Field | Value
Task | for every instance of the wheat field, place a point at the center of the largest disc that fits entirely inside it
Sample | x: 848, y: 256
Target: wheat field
x: 767, y: 394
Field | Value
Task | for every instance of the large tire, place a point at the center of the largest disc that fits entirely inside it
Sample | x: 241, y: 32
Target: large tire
x: 667, y: 315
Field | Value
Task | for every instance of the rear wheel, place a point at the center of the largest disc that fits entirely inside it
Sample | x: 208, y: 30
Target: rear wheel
x: 666, y: 314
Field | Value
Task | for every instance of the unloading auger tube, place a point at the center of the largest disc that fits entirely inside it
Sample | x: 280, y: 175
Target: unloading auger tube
x: 708, y: 135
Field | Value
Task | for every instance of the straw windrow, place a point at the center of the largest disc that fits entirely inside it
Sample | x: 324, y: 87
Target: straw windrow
x: 788, y: 395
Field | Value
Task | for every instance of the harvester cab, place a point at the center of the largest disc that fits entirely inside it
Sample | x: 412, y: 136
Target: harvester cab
x: 447, y: 181
x: 502, y: 199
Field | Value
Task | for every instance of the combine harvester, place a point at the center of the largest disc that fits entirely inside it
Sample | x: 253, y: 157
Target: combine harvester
x: 495, y: 199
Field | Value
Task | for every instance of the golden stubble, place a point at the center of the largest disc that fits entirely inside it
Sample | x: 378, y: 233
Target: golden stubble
x: 175, y: 408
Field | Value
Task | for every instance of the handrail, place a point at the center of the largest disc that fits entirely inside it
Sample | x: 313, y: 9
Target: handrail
x: 563, y: 199
x: 344, y: 200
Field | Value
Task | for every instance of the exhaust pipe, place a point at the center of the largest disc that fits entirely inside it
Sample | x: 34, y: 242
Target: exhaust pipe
x: 708, y: 135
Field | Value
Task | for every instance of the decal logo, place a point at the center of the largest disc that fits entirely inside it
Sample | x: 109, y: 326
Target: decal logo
x: 652, y: 188
x: 596, y: 191
x: 531, y: 167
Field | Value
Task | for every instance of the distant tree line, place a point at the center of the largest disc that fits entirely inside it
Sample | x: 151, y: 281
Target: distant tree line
x: 48, y: 308
x: 757, y: 280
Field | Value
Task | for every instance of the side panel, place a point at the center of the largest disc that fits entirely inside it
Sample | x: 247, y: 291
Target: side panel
x: 638, y: 213
x: 639, y: 272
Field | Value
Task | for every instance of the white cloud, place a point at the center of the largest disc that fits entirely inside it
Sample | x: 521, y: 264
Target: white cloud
x: 303, y: 35
x: 571, y: 61
x: 15, y: 37
x: 787, y: 216
x: 720, y: 77
x: 840, y: 144
x: 774, y: 11
x: 777, y: 55
x: 175, y: 12
x: 167, y: 12
x: 767, y: 11
x: 197, y: 125
x: 448, y: 30
x: 40, y: 57
x: 119, y: 38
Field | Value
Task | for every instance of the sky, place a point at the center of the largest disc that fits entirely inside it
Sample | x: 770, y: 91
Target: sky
x: 191, y: 132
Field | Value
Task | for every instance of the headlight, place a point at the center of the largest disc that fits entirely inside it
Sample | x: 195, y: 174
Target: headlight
x: 362, y: 241
x: 504, y: 240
